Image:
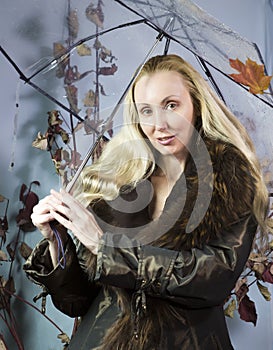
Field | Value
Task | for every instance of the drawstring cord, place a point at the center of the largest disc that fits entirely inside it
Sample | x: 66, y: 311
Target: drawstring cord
x: 138, y: 306
x: 61, y: 254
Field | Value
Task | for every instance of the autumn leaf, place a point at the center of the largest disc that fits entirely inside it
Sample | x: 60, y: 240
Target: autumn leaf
x: 7, y: 288
x: 108, y: 70
x: 95, y: 15
x: 29, y: 199
x: 73, y: 24
x: 60, y: 50
x: 241, y: 290
x: 64, y: 338
x: 72, y: 96
x: 3, y: 256
x: 229, y: 310
x: 3, y: 345
x: 84, y: 50
x: 247, y: 310
x: 251, y: 74
x: 40, y: 142
x: 264, y: 291
x: 90, y: 99
x: 25, y: 250
x: 267, y: 275
x: 75, y: 160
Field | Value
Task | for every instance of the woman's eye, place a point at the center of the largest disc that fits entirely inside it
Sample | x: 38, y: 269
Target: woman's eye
x: 171, y: 106
x: 146, y: 111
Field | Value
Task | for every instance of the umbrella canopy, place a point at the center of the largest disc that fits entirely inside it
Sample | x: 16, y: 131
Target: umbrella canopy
x: 86, y: 70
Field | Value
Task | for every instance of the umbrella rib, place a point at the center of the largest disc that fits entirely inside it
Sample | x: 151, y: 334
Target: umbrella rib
x: 36, y: 87
x: 61, y: 56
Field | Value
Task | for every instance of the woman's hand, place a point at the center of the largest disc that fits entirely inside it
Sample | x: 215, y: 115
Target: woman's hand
x: 42, y: 215
x: 75, y: 217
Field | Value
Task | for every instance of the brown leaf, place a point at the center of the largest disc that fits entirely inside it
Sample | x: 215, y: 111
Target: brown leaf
x: 4, y: 225
x: 54, y: 118
x: 267, y: 275
x: 3, y: 256
x: 72, y: 96
x: 108, y: 70
x: 90, y: 99
x: 2, y: 198
x: 58, y: 50
x: 64, y: 338
x: 40, y: 142
x: 95, y: 15
x: 25, y: 250
x: 241, y: 290
x: 3, y: 345
x: 229, y: 310
x: 247, y: 310
x: 84, y: 50
x: 75, y: 160
x: 264, y: 291
x: 73, y: 23
x: 251, y: 74
x: 11, y: 251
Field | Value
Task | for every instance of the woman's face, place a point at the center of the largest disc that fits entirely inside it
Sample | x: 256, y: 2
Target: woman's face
x: 166, y: 112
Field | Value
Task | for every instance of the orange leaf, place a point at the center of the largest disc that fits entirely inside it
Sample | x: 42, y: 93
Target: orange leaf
x: 251, y: 74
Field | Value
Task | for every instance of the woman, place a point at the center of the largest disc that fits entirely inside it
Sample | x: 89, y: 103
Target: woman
x: 162, y: 223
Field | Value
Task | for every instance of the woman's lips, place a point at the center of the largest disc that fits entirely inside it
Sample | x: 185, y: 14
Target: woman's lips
x: 165, y: 140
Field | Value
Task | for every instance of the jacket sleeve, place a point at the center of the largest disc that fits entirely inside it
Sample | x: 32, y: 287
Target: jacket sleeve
x: 70, y: 287
x: 195, y: 278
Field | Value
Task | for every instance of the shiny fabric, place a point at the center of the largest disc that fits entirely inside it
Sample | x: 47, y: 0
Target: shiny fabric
x: 174, y: 289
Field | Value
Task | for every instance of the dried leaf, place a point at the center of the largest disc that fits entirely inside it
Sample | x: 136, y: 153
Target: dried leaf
x: 258, y: 268
x: 108, y: 70
x: 247, y: 310
x: 106, y: 55
x: 75, y: 160
x: 3, y: 256
x: 64, y: 136
x: 25, y: 250
x: 10, y: 251
x: 102, y: 90
x: 241, y: 291
x: 90, y: 99
x: 4, y: 225
x: 264, y: 291
x: 73, y: 24
x: 2, y: 198
x: 64, y: 338
x: 251, y: 74
x: 40, y: 142
x: 54, y: 118
x: 84, y: 50
x: 95, y: 15
x: 60, y: 51
x: 229, y: 310
x: 29, y: 199
x: 71, y: 93
x: 267, y: 276
x: 3, y: 345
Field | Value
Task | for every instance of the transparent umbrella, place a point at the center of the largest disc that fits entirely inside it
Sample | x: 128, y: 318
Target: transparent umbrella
x: 96, y: 55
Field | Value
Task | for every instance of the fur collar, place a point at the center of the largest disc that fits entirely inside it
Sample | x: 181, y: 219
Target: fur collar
x: 201, y: 203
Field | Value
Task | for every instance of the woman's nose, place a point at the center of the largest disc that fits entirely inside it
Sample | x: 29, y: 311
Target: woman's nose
x: 160, y: 119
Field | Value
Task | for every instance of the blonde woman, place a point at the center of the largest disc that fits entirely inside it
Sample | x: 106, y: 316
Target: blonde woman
x: 160, y: 226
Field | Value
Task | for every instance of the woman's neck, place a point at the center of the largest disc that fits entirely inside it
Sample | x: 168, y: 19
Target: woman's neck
x: 170, y: 167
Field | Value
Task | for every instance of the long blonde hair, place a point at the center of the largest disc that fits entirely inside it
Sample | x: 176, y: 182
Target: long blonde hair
x: 127, y: 158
